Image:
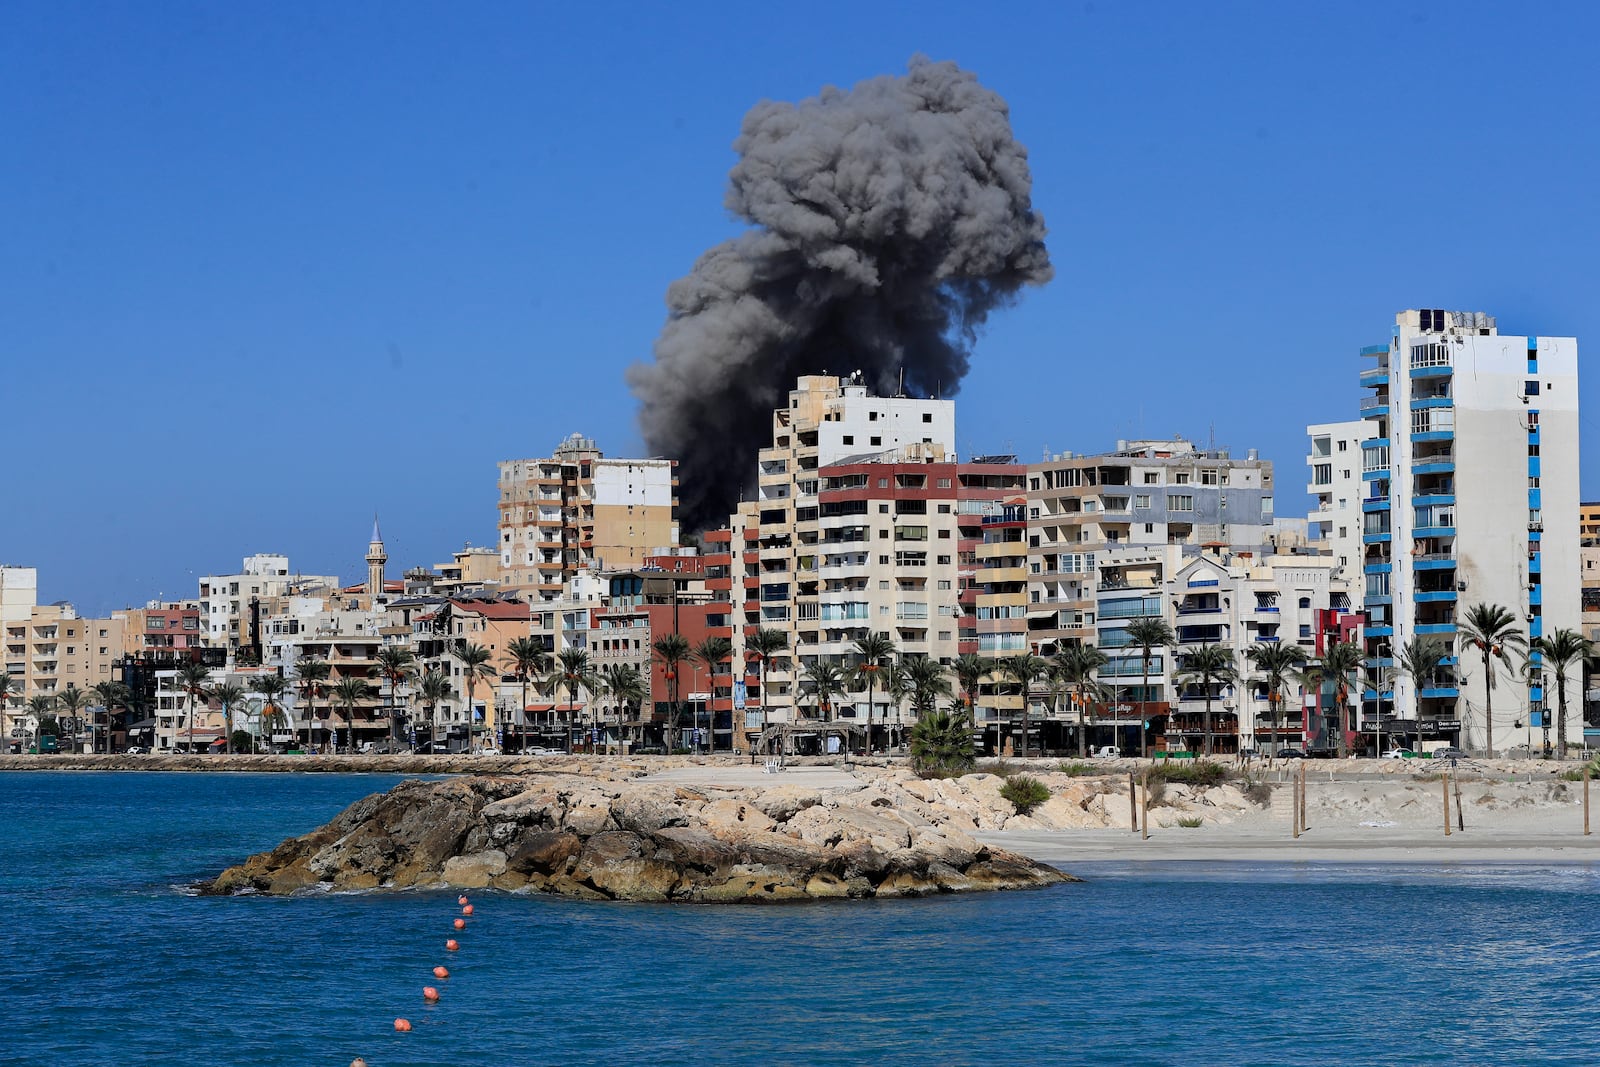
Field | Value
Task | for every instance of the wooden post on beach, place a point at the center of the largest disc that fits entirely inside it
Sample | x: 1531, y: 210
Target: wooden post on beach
x: 1461, y: 816
x: 1133, y: 803
x: 1144, y: 823
x: 1294, y: 807
x: 1305, y: 824
x: 1445, y: 782
x: 1586, y: 802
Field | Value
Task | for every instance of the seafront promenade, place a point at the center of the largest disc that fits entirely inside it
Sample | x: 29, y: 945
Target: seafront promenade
x: 1357, y: 811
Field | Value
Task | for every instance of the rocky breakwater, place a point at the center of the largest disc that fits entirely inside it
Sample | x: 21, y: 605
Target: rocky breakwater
x: 633, y: 840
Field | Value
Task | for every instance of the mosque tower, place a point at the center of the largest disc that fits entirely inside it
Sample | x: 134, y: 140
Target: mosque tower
x: 376, y: 558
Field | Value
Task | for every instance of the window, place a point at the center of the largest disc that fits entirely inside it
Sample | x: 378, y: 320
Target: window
x: 1343, y: 445
x: 877, y: 441
x: 1344, y: 531
x: 1141, y: 501
x: 1149, y: 527
x: 1181, y: 478
x: 1208, y: 477
x: 1152, y: 478
x: 944, y: 509
x: 883, y: 509
x: 944, y: 535
x: 927, y: 416
x: 872, y: 416
x: 944, y: 583
x: 1180, y: 502
x: 1305, y: 603
x: 944, y: 561
x: 1530, y: 389
x: 849, y: 439
x: 1322, y: 474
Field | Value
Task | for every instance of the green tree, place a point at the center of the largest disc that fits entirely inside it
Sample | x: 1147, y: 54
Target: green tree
x: 8, y: 685
x: 1276, y: 661
x: 348, y: 692
x: 941, y: 744
x: 827, y: 682
x: 1422, y: 660
x: 1148, y: 634
x: 110, y: 695
x: 528, y: 660
x: 271, y: 687
x: 192, y: 681
x: 970, y: 670
x: 670, y: 651
x: 73, y: 700
x: 927, y: 682
x: 871, y: 651
x: 625, y: 684
x: 1024, y: 670
x: 312, y: 672
x: 573, y: 670
x: 766, y: 645
x: 711, y: 653
x: 227, y: 695
x: 1206, y: 666
x: 1559, y: 651
x: 1076, y: 666
x: 898, y: 686
x: 476, y: 667
x: 396, y: 664
x: 1492, y: 630
x: 42, y: 706
x: 1341, y: 664
x: 433, y: 689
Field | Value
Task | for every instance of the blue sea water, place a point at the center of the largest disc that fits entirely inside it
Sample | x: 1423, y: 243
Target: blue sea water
x: 109, y: 962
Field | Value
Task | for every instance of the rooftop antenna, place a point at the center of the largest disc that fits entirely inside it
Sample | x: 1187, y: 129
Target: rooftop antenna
x: 902, y: 388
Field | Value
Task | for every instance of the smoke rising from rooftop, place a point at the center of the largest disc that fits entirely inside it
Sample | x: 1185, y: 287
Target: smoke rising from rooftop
x: 888, y: 220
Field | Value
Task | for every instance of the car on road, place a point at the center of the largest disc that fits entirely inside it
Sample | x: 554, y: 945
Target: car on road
x: 1399, y: 753
x: 1449, y: 752
x: 1321, y: 753
x: 136, y: 750
x: 1290, y: 753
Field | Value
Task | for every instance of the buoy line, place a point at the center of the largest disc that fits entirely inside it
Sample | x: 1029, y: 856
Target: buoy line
x: 430, y: 994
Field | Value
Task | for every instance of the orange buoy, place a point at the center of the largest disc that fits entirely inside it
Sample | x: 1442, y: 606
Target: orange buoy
x: 451, y: 945
x: 461, y: 924
x: 430, y: 994
x: 440, y: 972
x: 402, y: 1026
x: 461, y: 900
x: 467, y: 910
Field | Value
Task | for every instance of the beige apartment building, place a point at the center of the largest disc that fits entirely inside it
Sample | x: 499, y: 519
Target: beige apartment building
x: 578, y: 510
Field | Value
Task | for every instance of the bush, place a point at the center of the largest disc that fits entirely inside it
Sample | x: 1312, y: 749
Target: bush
x: 941, y: 745
x: 1025, y: 793
x: 1189, y: 822
x: 1257, y: 790
x: 1078, y: 770
x: 243, y: 741
x: 1201, y: 773
x: 999, y: 768
x: 1576, y: 774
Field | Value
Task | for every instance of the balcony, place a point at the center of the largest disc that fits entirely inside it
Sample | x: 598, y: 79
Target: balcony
x: 1372, y: 379
x: 1374, y: 405
x: 1441, y: 465
x: 1436, y: 596
x: 1436, y: 629
x: 1433, y: 561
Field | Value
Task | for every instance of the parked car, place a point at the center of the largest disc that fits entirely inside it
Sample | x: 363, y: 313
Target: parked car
x: 1449, y: 752
x: 1249, y: 753
x: 1321, y: 752
x: 1290, y: 753
x: 1399, y: 753
x: 136, y: 750
x: 1108, y: 752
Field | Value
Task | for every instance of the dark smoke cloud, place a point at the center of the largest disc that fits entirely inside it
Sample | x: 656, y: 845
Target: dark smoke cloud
x: 889, y: 220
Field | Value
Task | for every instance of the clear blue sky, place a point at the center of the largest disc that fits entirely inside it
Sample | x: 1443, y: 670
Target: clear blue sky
x: 267, y: 268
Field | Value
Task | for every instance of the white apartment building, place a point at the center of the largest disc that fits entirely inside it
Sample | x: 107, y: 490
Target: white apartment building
x: 1333, y: 469
x: 1470, y: 462
x: 225, y: 599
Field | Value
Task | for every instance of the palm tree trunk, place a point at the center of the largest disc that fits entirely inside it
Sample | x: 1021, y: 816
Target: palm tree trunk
x: 1488, y: 709
x: 1561, y: 714
x: 1144, y: 705
x: 1205, y: 723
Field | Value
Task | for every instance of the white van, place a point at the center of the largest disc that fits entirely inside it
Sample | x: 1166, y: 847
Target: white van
x: 1108, y: 752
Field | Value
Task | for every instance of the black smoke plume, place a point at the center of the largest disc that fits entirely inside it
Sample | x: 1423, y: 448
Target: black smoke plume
x: 888, y: 221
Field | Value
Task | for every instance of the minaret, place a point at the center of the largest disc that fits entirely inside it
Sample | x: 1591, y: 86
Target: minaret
x: 376, y: 558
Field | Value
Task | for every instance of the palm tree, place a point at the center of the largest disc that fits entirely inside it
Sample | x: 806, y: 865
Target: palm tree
x: 624, y: 683
x: 1559, y: 651
x: 1148, y: 634
x: 527, y: 660
x: 349, y: 692
x: 941, y: 744
x: 72, y: 701
x: 670, y: 651
x: 395, y: 663
x: 1207, y: 665
x: 1492, y: 629
x: 899, y: 684
x: 1076, y: 666
x: 710, y: 653
x: 110, y: 695
x: 764, y: 644
x: 7, y: 685
x: 1276, y: 661
x: 871, y: 651
x: 572, y: 669
x: 43, y: 707
x: 970, y: 670
x: 1420, y: 659
x: 927, y: 682
x: 1024, y: 670
x: 271, y: 688
x: 312, y: 672
x: 475, y: 665
x: 827, y: 682
x: 192, y: 682
x: 1339, y: 664
x: 433, y: 687
x: 227, y: 694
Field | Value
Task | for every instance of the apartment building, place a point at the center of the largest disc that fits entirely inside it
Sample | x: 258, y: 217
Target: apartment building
x: 578, y: 510
x: 1470, y: 465
x: 1334, y: 483
x: 229, y: 603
